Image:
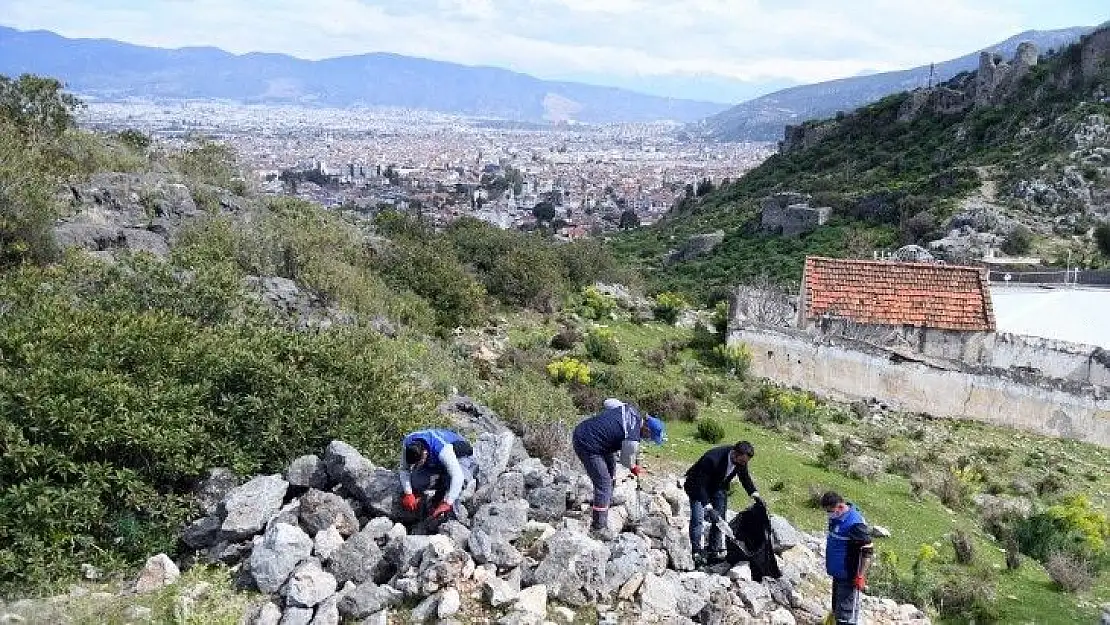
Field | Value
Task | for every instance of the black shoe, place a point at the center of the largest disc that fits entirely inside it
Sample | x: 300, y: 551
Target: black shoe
x: 699, y: 559
x: 715, y: 558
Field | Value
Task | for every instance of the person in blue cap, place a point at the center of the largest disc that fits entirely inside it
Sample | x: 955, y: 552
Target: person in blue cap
x: 617, y: 429
x: 440, y: 459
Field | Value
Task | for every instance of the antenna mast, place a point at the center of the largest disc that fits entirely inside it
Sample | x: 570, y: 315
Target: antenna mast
x: 932, y: 68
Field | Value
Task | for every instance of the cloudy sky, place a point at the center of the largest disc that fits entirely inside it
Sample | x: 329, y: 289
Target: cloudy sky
x: 723, y: 50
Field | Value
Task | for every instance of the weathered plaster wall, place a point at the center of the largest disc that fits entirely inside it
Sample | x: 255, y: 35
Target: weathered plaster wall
x: 845, y: 373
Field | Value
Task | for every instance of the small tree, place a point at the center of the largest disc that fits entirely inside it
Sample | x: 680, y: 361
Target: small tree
x: 1018, y: 240
x: 629, y: 219
x: 1102, y: 239
x: 544, y: 212
x: 668, y: 306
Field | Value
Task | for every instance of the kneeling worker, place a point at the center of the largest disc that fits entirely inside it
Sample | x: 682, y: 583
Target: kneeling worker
x: 439, y: 458
x: 618, y: 428
x: 707, y: 484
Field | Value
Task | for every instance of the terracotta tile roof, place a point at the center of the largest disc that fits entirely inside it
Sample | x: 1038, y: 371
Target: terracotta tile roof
x: 898, y: 293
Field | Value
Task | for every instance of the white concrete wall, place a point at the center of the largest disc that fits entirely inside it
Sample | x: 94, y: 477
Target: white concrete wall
x: 847, y: 374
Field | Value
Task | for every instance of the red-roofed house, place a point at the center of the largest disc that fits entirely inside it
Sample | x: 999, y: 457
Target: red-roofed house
x: 892, y: 294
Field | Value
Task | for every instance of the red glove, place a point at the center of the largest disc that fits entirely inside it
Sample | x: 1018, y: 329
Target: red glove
x: 860, y: 582
x: 441, y: 509
x: 636, y: 470
x: 408, y: 502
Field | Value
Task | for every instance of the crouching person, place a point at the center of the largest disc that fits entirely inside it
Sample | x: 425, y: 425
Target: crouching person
x: 848, y: 554
x: 618, y: 428
x: 435, y: 459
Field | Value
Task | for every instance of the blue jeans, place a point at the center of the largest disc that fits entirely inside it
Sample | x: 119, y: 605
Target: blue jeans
x: 719, y: 501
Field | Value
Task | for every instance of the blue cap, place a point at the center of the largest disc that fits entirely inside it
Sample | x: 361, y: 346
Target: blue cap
x: 657, y: 428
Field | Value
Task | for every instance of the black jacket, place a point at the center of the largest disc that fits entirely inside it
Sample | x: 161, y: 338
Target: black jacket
x: 708, y: 475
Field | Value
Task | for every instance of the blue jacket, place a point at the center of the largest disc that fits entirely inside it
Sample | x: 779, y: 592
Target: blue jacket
x: 846, y: 536
x: 606, y: 432
x: 434, y: 440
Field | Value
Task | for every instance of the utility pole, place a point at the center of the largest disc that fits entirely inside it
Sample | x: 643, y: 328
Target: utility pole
x: 932, y: 68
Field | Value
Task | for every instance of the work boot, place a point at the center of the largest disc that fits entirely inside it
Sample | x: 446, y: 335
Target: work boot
x: 699, y: 559
x: 599, y: 526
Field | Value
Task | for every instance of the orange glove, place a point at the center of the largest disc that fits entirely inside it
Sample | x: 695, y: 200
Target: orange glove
x: 636, y: 470
x: 408, y: 502
x: 441, y: 509
x: 860, y: 582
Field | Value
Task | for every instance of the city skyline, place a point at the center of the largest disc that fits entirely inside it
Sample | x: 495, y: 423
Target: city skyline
x: 714, y: 50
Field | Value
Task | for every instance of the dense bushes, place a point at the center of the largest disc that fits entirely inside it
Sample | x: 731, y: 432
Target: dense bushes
x: 602, y: 346
x: 112, y: 406
x: 1072, y: 530
x: 710, y: 430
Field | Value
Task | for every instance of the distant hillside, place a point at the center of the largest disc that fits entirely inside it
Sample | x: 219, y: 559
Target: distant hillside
x: 763, y: 118
x: 1013, y: 157
x: 111, y: 69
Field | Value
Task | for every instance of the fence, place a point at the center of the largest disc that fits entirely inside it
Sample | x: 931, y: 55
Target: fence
x: 1088, y: 277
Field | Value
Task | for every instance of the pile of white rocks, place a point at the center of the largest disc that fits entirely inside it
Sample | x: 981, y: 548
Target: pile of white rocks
x: 328, y: 543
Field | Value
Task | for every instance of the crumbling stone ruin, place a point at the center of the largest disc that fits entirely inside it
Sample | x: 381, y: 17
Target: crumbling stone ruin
x: 790, y: 214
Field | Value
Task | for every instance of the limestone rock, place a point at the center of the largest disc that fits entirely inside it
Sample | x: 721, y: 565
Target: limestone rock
x: 326, y: 542
x: 307, y: 471
x: 296, y: 616
x: 309, y: 585
x: 492, y: 453
x: 367, y: 599
x: 282, y: 547
x: 359, y: 560
x: 502, y: 519
x: 248, y: 507
x: 449, y: 603
x: 320, y: 510
x: 159, y: 571
x: 574, y: 569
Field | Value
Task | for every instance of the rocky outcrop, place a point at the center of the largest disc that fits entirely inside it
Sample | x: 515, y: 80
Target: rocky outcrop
x: 523, y: 557
x: 697, y: 245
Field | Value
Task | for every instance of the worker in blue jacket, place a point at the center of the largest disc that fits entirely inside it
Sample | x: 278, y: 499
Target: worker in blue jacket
x: 440, y: 459
x: 617, y: 429
x: 848, y: 555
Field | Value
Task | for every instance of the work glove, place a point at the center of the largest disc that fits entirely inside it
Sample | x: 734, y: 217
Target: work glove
x: 408, y: 502
x: 442, y: 509
x: 860, y: 582
x: 636, y: 470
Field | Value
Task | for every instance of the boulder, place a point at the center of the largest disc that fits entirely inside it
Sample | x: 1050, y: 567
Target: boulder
x: 535, y: 474
x: 457, y: 532
x: 307, y: 472
x: 327, y: 613
x: 320, y: 510
x: 786, y: 537
x: 532, y: 601
x: 377, y: 488
x: 247, y: 508
x: 444, y: 562
x: 296, y: 616
x: 756, y: 596
x: 502, y: 519
x: 359, y: 560
x: 407, y: 552
x: 659, y: 597
x: 630, y: 556
x: 495, y: 549
x: 425, y: 610
x: 548, y: 503
x: 492, y: 453
x: 574, y: 569
x: 326, y: 542
x: 265, y: 614
x: 508, y: 486
x: 498, y: 592
x: 368, y: 599
x: 309, y: 585
x: 449, y: 603
x: 202, y: 533
x: 159, y: 571
x: 283, y: 546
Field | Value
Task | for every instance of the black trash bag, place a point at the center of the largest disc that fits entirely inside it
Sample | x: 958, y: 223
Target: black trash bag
x: 752, y: 527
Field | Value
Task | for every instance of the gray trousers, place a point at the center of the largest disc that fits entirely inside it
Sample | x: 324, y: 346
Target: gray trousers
x: 845, y: 602
x: 601, y: 468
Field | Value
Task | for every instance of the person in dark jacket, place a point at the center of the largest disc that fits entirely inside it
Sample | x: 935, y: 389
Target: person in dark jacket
x: 440, y: 459
x: 848, y: 554
x: 617, y: 429
x: 707, y: 484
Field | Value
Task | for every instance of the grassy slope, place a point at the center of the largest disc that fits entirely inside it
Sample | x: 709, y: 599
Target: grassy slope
x: 1027, y: 594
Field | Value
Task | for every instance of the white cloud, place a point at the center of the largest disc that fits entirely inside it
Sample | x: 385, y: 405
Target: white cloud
x: 753, y: 40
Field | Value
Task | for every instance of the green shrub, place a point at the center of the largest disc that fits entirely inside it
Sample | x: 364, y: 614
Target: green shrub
x: 710, y: 430
x: 705, y: 388
x: 668, y: 306
x: 1102, y: 238
x: 1018, y: 240
x: 601, y: 345
x: 565, y: 339
x: 1073, y: 527
x: 569, y: 369
x: 671, y: 404
x: 111, y: 407
x: 539, y: 413
x: 597, y: 305
x: 736, y: 359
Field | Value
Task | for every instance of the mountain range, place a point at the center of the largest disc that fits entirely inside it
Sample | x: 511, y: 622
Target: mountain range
x: 763, y: 118
x: 109, y: 69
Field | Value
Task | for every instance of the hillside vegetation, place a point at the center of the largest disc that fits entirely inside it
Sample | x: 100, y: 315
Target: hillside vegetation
x: 124, y: 377
x: 913, y: 166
